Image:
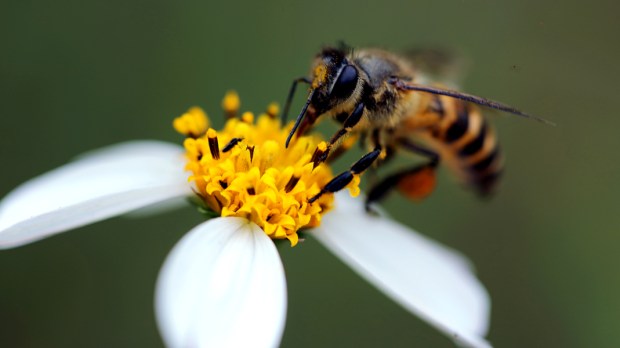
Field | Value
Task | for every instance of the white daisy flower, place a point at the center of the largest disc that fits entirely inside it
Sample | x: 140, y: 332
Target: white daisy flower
x: 226, y: 273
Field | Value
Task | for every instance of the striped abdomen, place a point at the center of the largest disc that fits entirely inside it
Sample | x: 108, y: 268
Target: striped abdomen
x: 467, y: 142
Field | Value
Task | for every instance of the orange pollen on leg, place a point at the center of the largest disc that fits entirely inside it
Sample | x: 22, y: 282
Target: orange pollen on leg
x: 418, y: 185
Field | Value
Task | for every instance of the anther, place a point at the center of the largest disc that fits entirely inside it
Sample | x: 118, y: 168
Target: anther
x: 251, y: 150
x: 292, y: 183
x: 213, y: 144
x: 320, y: 154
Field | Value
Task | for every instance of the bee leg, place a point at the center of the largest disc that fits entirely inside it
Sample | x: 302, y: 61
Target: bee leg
x: 347, y: 126
x: 416, y: 182
x: 432, y: 156
x: 372, y: 175
x: 344, y: 178
x: 291, y: 94
x: 345, y: 146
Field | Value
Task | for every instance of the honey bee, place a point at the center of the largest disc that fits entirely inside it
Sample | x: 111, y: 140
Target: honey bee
x: 381, y: 98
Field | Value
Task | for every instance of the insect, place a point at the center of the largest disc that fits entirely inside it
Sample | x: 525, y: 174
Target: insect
x: 381, y: 98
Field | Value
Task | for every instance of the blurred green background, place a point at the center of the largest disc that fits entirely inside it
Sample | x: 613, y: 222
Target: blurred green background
x: 78, y: 75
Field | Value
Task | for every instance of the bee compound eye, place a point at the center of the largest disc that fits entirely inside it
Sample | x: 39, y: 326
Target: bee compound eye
x: 346, y: 83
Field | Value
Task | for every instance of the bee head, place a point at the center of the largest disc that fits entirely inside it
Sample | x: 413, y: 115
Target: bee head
x: 334, y: 79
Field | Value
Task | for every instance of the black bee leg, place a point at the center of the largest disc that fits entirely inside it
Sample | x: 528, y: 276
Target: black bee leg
x: 232, y: 143
x: 344, y: 178
x: 416, y: 182
x: 291, y: 94
x: 408, y: 145
x: 347, y: 126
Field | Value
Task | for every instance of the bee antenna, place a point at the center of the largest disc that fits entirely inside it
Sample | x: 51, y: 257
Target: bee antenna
x: 291, y: 94
x: 300, y: 117
x: 470, y: 98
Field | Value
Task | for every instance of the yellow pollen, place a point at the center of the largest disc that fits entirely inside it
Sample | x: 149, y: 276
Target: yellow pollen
x: 354, y: 186
x: 251, y: 174
x: 211, y: 133
x: 383, y: 154
x: 231, y: 103
x: 320, y: 76
x: 247, y: 117
x: 273, y: 109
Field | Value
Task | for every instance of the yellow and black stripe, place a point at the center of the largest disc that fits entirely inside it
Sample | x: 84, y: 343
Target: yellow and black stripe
x: 469, y: 141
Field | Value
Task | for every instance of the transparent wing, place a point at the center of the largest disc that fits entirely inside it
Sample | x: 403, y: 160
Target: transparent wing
x: 439, y: 64
x: 492, y: 104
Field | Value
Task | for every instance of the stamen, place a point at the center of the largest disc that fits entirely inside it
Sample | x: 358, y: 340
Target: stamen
x: 273, y: 110
x: 193, y: 123
x: 319, y: 154
x: 231, y: 104
x: 213, y: 143
x: 256, y: 176
x: 251, y: 150
x: 290, y: 185
x: 247, y: 117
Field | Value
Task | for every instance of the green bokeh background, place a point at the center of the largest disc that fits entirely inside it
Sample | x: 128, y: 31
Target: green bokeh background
x: 78, y: 75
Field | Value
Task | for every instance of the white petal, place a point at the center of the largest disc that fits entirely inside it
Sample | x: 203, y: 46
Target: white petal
x: 426, y: 278
x: 158, y: 208
x: 222, y: 285
x: 101, y: 184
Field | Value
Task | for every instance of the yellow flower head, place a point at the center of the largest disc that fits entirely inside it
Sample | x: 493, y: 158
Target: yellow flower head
x: 245, y: 170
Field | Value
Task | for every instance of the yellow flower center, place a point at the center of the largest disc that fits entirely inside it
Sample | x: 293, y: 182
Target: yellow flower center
x: 245, y: 170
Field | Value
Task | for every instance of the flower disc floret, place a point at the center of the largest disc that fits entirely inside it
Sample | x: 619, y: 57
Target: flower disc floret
x: 245, y: 170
